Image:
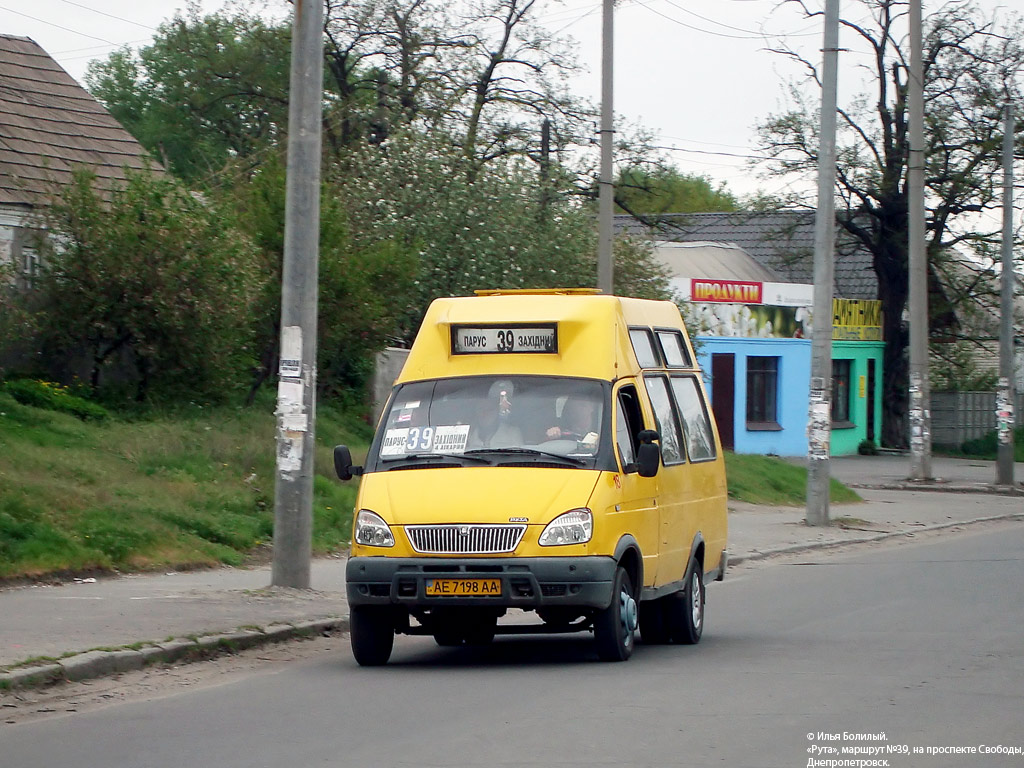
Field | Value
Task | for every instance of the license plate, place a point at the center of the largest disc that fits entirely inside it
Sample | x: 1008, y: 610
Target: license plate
x: 463, y: 587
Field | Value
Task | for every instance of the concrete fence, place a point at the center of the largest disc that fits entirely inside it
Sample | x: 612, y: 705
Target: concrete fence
x: 961, y: 416
x: 389, y: 365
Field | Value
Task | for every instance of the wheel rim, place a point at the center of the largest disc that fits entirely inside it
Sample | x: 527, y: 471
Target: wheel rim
x: 628, y: 615
x: 696, y: 604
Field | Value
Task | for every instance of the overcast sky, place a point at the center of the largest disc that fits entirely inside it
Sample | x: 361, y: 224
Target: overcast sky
x: 696, y: 73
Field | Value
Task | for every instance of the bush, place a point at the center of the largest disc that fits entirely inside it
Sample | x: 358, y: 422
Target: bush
x: 987, y: 446
x: 54, y: 397
x: 867, y: 448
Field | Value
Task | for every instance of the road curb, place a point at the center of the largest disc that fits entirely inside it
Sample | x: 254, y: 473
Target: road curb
x: 814, y: 545
x: 100, y: 663
x: 941, y: 486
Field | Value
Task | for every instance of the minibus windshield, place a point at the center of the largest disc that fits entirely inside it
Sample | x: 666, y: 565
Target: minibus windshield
x: 501, y: 418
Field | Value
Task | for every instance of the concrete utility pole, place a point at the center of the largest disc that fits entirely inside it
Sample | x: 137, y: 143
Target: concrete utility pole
x: 1005, y: 394
x: 296, y: 393
x: 920, y: 390
x: 819, y: 414
x: 606, y: 188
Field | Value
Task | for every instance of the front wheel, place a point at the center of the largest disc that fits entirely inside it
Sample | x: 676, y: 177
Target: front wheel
x: 685, y: 609
x: 372, y: 634
x: 614, y: 627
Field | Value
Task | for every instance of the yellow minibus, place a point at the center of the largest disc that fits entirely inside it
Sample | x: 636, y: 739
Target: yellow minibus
x: 549, y: 451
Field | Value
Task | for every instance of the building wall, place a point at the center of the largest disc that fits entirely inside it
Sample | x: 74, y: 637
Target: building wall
x: 794, y: 372
x: 793, y: 386
x: 846, y: 440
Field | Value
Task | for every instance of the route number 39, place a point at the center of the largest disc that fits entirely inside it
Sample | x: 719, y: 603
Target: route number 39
x: 506, y: 341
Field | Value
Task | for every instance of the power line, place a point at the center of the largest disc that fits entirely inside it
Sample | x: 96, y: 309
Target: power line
x: 713, y: 154
x: 698, y: 29
x: 109, y: 15
x: 58, y: 26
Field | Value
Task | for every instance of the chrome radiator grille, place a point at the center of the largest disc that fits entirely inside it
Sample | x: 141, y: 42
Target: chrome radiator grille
x: 464, y: 539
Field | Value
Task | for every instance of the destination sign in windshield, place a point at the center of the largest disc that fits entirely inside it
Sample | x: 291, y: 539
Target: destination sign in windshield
x: 504, y: 339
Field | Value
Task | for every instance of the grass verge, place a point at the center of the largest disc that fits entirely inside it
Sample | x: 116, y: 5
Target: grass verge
x: 194, y: 487
x: 189, y: 488
x: 771, y: 480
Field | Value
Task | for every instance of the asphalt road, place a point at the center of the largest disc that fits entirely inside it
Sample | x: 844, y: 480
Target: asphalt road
x: 918, y: 645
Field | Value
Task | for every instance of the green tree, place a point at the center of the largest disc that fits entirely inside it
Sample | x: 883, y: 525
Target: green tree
x: 153, y: 283
x: 208, y: 89
x: 363, y: 288
x: 970, y: 68
x: 641, y: 190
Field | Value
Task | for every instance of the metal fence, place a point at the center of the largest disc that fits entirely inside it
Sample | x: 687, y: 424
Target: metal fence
x: 961, y: 416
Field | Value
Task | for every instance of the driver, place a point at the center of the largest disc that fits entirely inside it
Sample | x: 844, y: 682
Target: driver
x: 579, y: 422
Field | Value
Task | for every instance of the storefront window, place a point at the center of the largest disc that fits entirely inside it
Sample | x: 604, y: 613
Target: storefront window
x: 762, y: 392
x: 841, y: 390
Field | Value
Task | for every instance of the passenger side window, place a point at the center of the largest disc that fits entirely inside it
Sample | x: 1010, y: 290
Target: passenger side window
x: 664, y: 413
x: 700, y: 442
x: 628, y: 423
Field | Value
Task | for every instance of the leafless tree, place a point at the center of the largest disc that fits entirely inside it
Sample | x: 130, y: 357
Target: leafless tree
x: 972, y: 65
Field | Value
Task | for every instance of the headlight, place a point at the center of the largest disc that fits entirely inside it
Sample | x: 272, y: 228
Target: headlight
x: 573, y: 527
x: 372, y: 531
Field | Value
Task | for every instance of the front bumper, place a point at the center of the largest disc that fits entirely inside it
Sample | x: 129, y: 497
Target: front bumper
x: 531, y: 582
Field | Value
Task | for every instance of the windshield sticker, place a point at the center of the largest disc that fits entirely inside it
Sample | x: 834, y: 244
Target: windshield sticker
x: 448, y: 439
x: 451, y: 439
x: 394, y: 441
x: 406, y: 411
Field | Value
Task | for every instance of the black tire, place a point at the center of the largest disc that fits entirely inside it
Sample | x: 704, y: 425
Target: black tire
x: 685, y: 609
x: 654, y: 623
x: 614, y: 627
x: 372, y: 634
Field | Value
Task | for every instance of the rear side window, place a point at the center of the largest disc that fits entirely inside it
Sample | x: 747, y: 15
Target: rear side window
x: 700, y: 442
x: 643, y: 347
x: 664, y: 413
x: 673, y: 349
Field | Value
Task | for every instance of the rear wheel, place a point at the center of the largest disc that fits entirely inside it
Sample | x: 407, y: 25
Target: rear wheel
x: 685, y: 609
x: 615, y: 625
x: 372, y: 634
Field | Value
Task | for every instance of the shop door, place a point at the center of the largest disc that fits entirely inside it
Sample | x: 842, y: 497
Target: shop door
x: 871, y: 399
x: 723, y: 389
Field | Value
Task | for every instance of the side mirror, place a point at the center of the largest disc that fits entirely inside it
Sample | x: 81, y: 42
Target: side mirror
x: 648, y: 455
x: 343, y: 463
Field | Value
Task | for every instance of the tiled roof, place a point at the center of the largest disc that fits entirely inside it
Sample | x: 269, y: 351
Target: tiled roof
x: 781, y: 241
x: 50, y: 125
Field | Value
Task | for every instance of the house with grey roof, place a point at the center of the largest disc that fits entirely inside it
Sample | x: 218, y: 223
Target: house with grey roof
x: 780, y: 241
x: 745, y: 284
x: 49, y: 127
x: 965, y: 311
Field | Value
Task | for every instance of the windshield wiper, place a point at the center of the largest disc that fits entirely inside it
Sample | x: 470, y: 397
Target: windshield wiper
x: 477, y: 459
x: 531, y: 452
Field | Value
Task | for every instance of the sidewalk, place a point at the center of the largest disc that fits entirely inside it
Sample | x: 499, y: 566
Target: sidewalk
x: 137, y: 619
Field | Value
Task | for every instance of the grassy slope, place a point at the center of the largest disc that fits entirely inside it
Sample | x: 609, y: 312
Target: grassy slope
x: 196, y: 488
x: 769, y: 480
